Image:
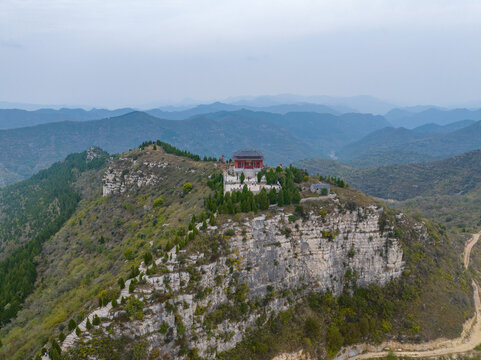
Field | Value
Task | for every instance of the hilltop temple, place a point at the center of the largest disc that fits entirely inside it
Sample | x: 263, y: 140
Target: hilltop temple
x: 250, y: 162
x: 248, y: 159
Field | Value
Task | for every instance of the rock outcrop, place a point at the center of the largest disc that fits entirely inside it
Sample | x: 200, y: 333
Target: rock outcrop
x: 274, y: 260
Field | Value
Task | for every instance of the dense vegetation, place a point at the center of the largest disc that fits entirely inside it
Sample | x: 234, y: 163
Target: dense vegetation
x: 24, y: 205
x: 246, y: 201
x: 170, y: 149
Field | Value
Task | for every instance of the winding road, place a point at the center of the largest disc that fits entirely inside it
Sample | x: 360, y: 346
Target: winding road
x: 469, y: 339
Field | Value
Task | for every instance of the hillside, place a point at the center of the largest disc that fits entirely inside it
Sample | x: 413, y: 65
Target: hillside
x: 30, y: 213
x: 310, y: 276
x: 281, y: 138
x: 399, y: 145
x: 456, y: 175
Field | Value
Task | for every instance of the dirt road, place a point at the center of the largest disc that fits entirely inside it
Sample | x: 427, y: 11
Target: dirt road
x: 469, y: 339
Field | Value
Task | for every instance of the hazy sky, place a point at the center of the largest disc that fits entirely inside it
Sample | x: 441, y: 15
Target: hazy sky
x: 119, y: 52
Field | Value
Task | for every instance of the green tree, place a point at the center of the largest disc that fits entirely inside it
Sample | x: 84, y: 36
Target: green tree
x: 259, y: 176
x: 263, y: 200
x: 334, y: 339
x: 88, y: 324
x: 280, y: 197
x: 242, y: 178
x: 61, y: 336
x: 72, y: 325
x: 148, y: 258
x: 212, y: 220
x: 131, y: 287
x: 272, y: 196
x: 121, y: 283
x: 96, y: 320
x: 77, y: 331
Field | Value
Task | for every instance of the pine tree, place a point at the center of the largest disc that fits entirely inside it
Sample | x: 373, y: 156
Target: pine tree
x: 61, y: 336
x: 280, y: 198
x: 242, y: 178
x: 121, y: 283
x: 272, y: 196
x: 263, y: 201
x: 212, y: 220
x: 71, y: 324
x: 88, y: 325
x: 77, y: 331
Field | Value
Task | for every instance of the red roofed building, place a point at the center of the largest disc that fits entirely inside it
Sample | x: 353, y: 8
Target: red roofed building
x: 248, y: 159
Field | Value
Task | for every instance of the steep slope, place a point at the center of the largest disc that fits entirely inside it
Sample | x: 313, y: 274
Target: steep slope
x: 247, y: 285
x: 280, y: 137
x: 30, y: 213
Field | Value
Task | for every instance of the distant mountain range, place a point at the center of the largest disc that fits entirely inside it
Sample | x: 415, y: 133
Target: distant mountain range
x: 400, y: 145
x: 282, y: 138
x: 411, y: 119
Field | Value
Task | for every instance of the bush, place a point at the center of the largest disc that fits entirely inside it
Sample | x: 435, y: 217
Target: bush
x: 96, y: 320
x: 187, y: 188
x: 158, y: 202
x: 77, y: 331
x: 164, y: 327
x: 229, y: 232
x: 88, y: 325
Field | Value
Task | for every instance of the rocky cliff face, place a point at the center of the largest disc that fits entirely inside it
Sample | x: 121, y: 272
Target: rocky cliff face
x: 272, y: 261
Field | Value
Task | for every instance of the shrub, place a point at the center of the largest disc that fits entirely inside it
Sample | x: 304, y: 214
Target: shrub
x: 88, y: 325
x: 72, y: 325
x: 229, y: 232
x: 96, y: 320
x: 158, y: 202
x: 114, y: 303
x: 77, y: 331
x: 187, y: 188
x: 212, y: 220
x: 129, y: 254
x: 164, y: 327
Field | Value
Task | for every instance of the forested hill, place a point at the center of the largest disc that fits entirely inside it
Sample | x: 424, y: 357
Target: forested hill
x: 399, y: 145
x: 31, y: 212
x: 454, y: 175
x: 281, y: 138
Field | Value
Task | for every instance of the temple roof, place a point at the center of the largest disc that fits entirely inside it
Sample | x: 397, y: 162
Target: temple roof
x: 247, y: 154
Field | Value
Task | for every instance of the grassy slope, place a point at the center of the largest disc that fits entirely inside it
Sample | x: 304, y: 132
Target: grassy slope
x: 75, y: 266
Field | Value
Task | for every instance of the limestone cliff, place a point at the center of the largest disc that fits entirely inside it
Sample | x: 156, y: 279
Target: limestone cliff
x: 271, y: 262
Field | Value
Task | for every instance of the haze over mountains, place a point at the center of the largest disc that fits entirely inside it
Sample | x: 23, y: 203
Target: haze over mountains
x: 284, y: 132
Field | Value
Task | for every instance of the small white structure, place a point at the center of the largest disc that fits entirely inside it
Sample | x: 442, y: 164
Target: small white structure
x: 232, y: 181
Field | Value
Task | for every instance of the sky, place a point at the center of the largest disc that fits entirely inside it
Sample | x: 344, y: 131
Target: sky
x: 113, y: 53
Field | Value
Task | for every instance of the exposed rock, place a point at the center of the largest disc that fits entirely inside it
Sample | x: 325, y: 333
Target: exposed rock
x: 270, y: 255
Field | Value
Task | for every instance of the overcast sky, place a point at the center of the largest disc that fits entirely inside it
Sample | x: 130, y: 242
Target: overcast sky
x: 110, y: 53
